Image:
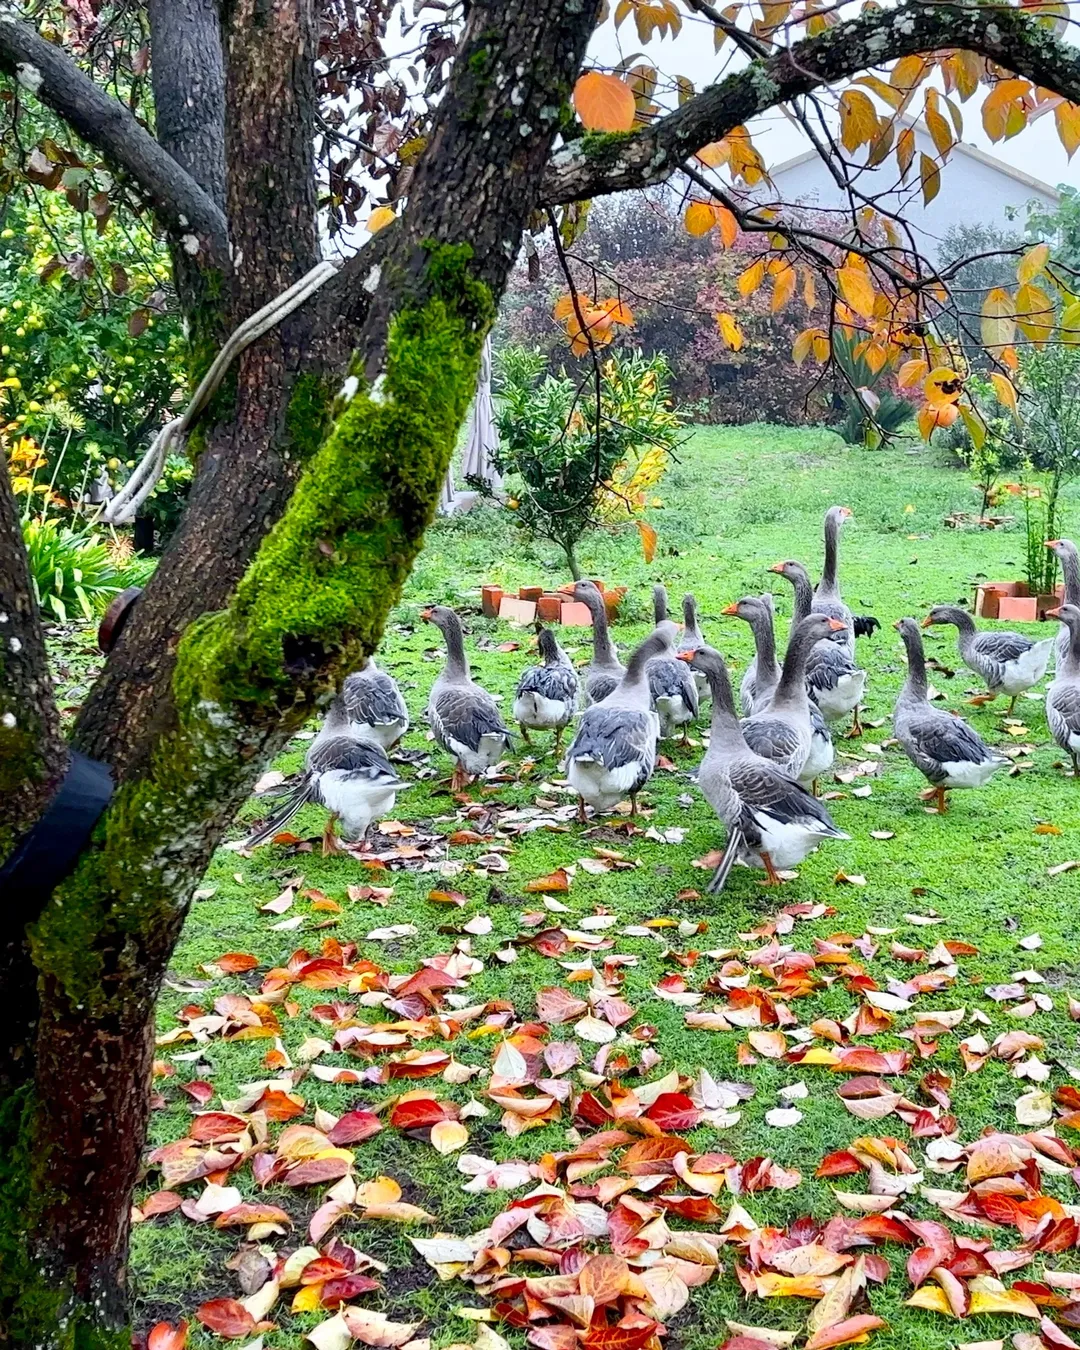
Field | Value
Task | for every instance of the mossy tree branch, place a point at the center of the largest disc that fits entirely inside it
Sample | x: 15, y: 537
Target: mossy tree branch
x: 182, y: 206
x: 1007, y: 36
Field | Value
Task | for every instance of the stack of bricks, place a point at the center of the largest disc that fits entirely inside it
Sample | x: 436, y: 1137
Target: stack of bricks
x: 534, y: 602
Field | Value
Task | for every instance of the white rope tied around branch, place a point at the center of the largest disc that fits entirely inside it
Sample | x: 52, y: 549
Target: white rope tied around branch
x: 125, y: 505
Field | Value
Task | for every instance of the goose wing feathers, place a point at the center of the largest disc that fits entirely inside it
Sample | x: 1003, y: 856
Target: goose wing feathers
x: 1001, y: 647
x: 615, y: 737
x: 763, y: 788
x: 555, y: 682
x: 673, y: 679
x: 355, y: 759
x: 465, y: 714
x: 827, y: 665
x: 373, y: 699
x: 936, y: 738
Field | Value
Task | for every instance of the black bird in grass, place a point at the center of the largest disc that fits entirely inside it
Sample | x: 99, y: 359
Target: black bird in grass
x: 865, y: 625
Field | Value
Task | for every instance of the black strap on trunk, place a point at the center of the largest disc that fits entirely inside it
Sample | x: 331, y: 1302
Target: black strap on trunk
x: 50, y: 851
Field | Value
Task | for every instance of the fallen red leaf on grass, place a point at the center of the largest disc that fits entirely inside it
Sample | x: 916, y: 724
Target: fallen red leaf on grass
x: 353, y: 1127
x: 167, y: 1336
x: 225, y: 1317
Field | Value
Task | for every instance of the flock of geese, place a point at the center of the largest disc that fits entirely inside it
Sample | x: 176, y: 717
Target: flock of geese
x: 760, y: 769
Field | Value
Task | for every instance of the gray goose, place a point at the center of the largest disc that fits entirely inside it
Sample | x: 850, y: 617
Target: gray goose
x: 1065, y: 552
x: 1009, y: 662
x: 613, y: 752
x: 692, y: 641
x: 758, y: 726
x: 783, y: 731
x: 835, y: 682
x: 374, y: 707
x: 347, y: 774
x: 605, y: 670
x: 827, y: 598
x: 671, y: 684
x: 945, y: 750
x: 772, y: 822
x: 1063, y: 696
x: 546, y: 695
x: 464, y: 717
x: 763, y: 673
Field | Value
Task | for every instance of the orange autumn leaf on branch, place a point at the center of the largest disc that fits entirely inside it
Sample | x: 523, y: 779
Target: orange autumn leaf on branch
x: 604, y: 102
x: 597, y: 320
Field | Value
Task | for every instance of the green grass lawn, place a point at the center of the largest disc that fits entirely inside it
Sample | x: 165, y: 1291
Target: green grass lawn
x: 739, y: 500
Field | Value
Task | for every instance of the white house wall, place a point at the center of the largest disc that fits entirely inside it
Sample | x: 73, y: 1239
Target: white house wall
x: 973, y: 192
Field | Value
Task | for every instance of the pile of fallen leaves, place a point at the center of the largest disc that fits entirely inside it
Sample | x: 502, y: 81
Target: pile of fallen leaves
x: 601, y: 1244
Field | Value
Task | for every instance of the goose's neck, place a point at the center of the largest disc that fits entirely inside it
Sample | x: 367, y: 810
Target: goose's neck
x: 1070, y: 574
x: 691, y: 633
x: 965, y: 626
x: 761, y: 625
x: 724, y: 728
x: 832, y: 550
x: 1070, y: 666
x: 457, y: 663
x: 792, y: 686
x: 804, y: 595
x: 915, y: 686
x: 603, y: 647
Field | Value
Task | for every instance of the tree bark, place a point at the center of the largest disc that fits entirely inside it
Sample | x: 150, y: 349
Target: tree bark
x: 313, y: 601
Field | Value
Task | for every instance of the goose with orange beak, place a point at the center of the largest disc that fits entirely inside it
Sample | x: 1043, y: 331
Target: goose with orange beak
x: 1010, y: 663
x: 945, y: 749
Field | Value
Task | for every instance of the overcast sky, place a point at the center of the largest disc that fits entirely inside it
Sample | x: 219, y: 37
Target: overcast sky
x: 1036, y: 150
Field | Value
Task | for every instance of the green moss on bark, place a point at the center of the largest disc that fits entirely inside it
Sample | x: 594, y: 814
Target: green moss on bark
x: 36, y: 1306
x: 314, y: 600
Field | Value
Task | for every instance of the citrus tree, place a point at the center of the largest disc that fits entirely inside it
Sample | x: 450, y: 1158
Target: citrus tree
x: 252, y: 136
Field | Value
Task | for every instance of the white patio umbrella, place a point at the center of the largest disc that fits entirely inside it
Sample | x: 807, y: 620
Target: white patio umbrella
x: 482, y: 440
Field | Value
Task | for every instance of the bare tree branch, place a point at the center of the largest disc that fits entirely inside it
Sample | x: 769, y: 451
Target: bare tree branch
x: 1006, y: 36
x: 44, y: 69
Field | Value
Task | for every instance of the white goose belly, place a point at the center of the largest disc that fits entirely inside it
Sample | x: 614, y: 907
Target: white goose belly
x: 965, y: 773
x: 845, y: 695
x: 356, y: 803
x: 541, y: 714
x: 600, y: 786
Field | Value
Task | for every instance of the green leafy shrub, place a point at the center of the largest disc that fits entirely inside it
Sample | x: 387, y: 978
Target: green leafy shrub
x: 1050, y: 406
x: 1000, y: 451
x: 73, y: 572
x: 569, y: 466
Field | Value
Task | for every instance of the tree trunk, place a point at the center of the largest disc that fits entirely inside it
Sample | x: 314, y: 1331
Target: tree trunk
x: 225, y: 691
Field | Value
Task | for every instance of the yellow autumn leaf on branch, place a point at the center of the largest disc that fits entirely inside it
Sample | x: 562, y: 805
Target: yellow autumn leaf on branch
x: 1067, y: 120
x: 783, y: 288
x: 1005, y: 390
x: 380, y: 218
x: 857, y: 289
x: 998, y: 322
x: 1035, y: 313
x: 912, y: 372
x: 604, y: 103
x: 930, y: 176
x: 750, y: 278
x: 730, y: 331
x: 858, y: 119
x: 1032, y: 263
x: 943, y: 386
x: 699, y: 219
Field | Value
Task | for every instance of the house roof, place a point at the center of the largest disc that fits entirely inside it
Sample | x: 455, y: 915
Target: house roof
x: 961, y: 147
